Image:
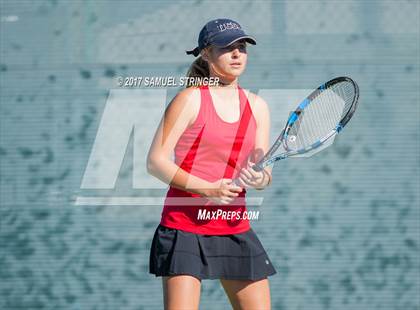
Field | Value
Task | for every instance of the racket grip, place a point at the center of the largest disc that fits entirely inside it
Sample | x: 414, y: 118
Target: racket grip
x: 236, y: 182
x: 257, y: 167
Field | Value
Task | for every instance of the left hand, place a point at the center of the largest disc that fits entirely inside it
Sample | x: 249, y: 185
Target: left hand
x: 248, y: 177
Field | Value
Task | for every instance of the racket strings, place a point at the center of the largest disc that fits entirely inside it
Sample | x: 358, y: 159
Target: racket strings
x: 317, y: 120
x: 321, y: 116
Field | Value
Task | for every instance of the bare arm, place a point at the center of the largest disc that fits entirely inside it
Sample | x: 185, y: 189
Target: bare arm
x: 248, y: 177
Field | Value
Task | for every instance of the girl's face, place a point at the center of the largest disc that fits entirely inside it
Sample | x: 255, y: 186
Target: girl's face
x: 228, y: 62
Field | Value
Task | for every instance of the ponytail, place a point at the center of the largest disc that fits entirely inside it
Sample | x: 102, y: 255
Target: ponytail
x: 198, y: 69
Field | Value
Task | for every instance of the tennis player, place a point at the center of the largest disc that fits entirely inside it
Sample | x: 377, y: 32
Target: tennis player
x: 216, y: 133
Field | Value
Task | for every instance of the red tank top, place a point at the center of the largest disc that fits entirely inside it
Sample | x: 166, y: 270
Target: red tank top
x: 211, y: 149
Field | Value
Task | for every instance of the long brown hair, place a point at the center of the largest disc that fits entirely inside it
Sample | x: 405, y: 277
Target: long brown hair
x: 198, y: 69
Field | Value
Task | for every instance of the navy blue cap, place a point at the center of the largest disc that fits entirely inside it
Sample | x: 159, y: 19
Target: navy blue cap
x: 220, y: 32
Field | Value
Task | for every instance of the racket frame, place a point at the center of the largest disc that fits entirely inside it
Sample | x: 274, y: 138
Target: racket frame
x: 281, y: 140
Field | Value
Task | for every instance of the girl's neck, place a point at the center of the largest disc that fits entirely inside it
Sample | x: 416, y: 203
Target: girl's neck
x: 226, y: 83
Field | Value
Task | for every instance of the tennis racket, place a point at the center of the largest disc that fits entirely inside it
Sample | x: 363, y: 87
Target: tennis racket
x: 318, y: 118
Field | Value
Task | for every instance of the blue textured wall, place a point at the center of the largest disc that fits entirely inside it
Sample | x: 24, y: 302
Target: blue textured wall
x: 342, y: 228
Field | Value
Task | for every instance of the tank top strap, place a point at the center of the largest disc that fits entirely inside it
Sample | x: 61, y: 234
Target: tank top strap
x: 205, y: 101
x: 244, y: 104
x: 204, y: 89
x: 205, y: 97
x: 244, y: 121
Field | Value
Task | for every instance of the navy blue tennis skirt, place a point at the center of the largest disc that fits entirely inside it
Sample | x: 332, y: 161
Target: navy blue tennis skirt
x: 231, y: 257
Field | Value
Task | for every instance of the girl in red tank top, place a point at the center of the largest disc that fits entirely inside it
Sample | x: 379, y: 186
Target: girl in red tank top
x: 216, y: 133
x: 207, y: 149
